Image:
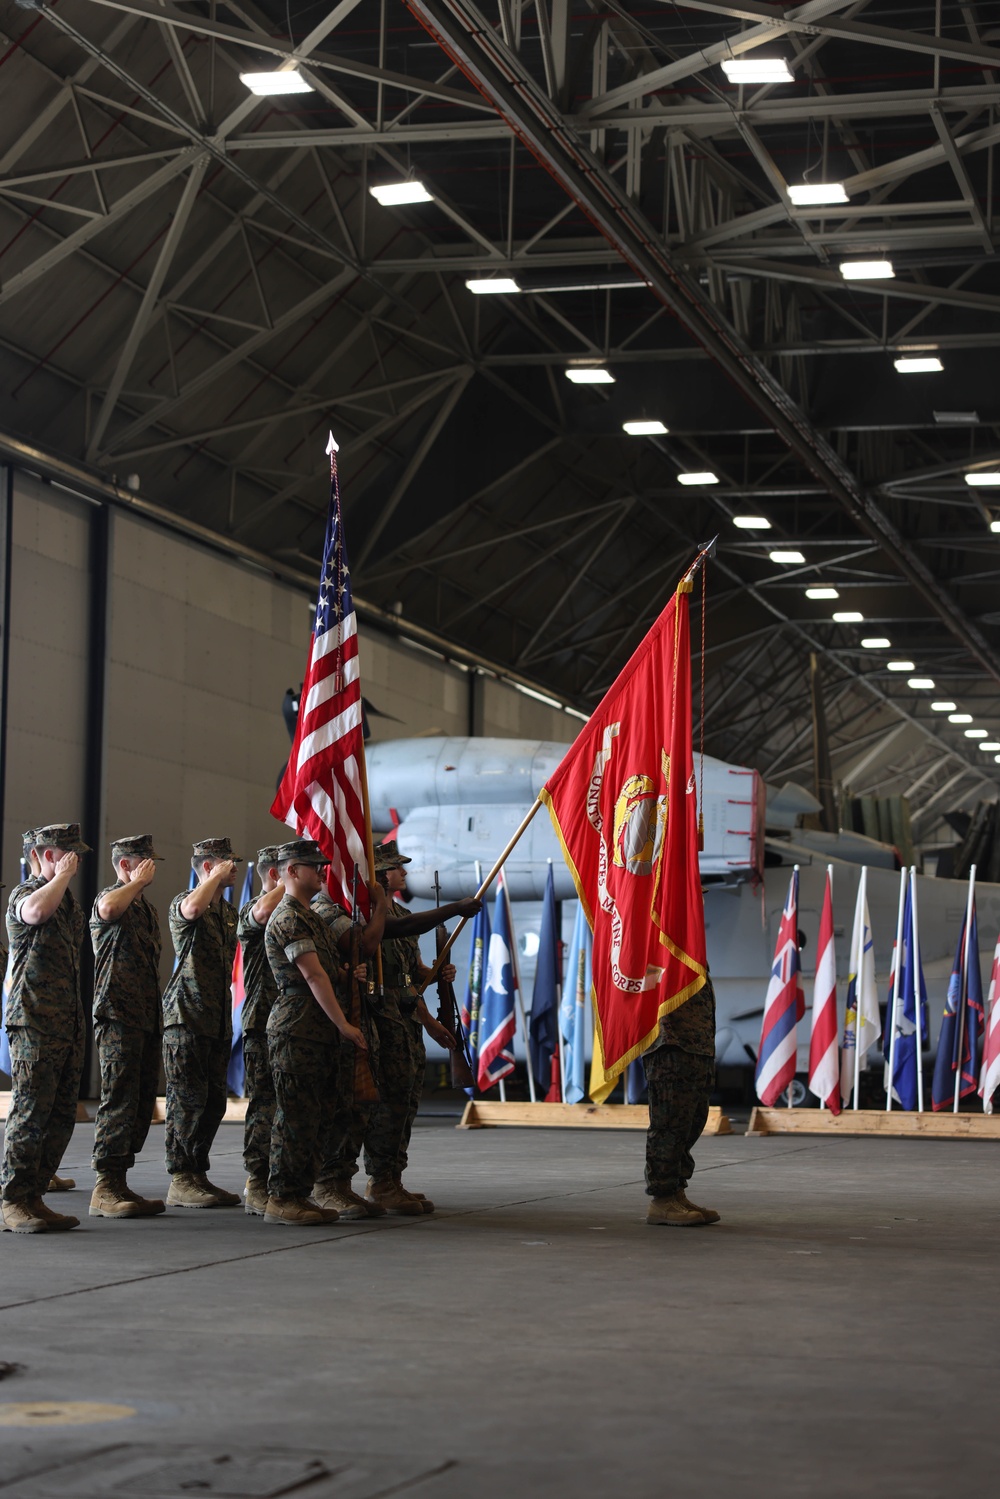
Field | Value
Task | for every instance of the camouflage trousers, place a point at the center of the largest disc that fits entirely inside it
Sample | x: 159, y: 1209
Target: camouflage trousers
x: 680, y: 1085
x: 130, y: 1072
x: 387, y: 1129
x: 344, y: 1134
x: 45, y: 1086
x: 418, y: 1068
x: 305, y: 1088
x: 259, y: 1087
x: 195, y: 1068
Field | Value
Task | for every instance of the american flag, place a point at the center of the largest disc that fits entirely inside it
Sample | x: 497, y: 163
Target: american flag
x: 785, y: 1004
x: 320, y: 792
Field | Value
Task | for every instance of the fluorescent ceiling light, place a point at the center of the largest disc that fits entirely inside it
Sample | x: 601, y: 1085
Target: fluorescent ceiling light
x: 943, y: 707
x: 287, y: 82
x: 976, y: 733
x: 921, y: 682
x: 393, y: 194
x: 990, y: 744
x: 847, y: 617
x: 805, y: 194
x: 899, y: 665
x: 786, y: 556
x: 706, y: 478
x: 924, y: 364
x: 757, y: 70
x: 589, y: 374
x: 957, y: 418
x: 876, y: 643
x: 983, y: 479
x: 867, y: 270
x: 959, y: 717
x: 645, y: 429
x: 752, y: 522
x: 492, y: 286
x: 822, y: 593
x: 995, y: 525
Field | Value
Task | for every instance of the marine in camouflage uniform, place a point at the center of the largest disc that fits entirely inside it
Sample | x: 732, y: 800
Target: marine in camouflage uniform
x: 259, y: 996
x: 680, y: 1070
x: 45, y: 1030
x: 125, y: 933
x: 198, y: 1026
x: 302, y: 1034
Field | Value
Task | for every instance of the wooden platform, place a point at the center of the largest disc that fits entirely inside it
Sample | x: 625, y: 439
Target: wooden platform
x: 482, y: 1114
x: 928, y: 1126
x: 86, y: 1110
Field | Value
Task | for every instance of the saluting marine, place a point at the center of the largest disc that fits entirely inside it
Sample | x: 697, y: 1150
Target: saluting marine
x: 45, y: 1030
x: 125, y: 933
x: 259, y: 996
x: 198, y: 1025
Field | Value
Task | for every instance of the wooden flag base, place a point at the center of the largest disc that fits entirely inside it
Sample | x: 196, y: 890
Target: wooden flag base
x: 86, y: 1110
x: 483, y: 1114
x: 897, y: 1124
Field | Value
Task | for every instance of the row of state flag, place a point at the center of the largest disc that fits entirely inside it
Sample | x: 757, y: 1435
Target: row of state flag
x: 968, y: 1050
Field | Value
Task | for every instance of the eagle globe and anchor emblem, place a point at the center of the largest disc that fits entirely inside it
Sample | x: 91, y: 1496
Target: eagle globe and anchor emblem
x: 640, y: 822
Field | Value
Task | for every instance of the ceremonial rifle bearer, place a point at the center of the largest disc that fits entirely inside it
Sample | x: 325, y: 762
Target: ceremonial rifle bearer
x: 260, y: 994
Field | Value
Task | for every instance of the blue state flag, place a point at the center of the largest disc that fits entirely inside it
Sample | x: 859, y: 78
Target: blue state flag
x: 236, y: 1076
x: 573, y: 1009
x: 543, y: 1028
x: 903, y: 1082
x: 961, y: 1027
x: 636, y: 1086
x: 497, y: 1022
x: 472, y: 1003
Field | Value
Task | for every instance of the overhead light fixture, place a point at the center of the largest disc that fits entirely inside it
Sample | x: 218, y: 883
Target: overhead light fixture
x: 288, y: 82
x: 395, y: 194
x: 921, y: 683
x: 957, y: 418
x: 876, y: 643
x: 995, y: 526
x: 976, y: 733
x: 943, y: 707
x: 822, y: 593
x: 899, y: 665
x: 752, y: 522
x: 704, y: 478
x: 983, y: 479
x: 847, y: 617
x: 959, y: 717
x: 589, y: 374
x: 806, y: 194
x: 786, y: 556
x: 645, y: 429
x: 923, y: 364
x: 867, y: 270
x: 990, y: 744
x: 492, y: 286
x: 757, y: 70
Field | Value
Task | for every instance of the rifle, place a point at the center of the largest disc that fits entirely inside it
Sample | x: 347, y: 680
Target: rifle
x: 365, y: 1086
x: 462, y: 1070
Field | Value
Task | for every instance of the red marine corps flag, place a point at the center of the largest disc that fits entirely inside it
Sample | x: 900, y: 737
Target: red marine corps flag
x: 624, y: 806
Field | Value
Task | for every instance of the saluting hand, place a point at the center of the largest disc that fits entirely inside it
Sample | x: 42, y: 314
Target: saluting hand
x: 142, y: 874
x: 68, y: 865
x: 225, y: 873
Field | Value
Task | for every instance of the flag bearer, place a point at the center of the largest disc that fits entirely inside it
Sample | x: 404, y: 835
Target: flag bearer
x: 258, y: 982
x: 198, y: 1025
x: 125, y: 932
x: 44, y: 1021
x: 680, y: 1069
x: 302, y: 1034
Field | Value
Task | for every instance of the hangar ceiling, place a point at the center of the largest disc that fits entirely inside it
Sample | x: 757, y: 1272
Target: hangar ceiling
x: 195, y: 283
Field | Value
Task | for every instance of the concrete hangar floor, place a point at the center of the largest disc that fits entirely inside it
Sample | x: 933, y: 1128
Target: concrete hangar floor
x: 835, y: 1334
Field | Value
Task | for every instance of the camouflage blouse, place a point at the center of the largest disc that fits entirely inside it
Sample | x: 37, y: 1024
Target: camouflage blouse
x: 258, y: 980
x: 691, y: 1027
x: 292, y: 931
x: 199, y: 991
x: 401, y: 961
x: 127, y: 964
x: 333, y: 914
x: 45, y: 966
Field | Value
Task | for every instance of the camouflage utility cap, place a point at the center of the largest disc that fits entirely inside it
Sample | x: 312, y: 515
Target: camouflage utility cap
x: 139, y: 847
x: 267, y: 856
x: 64, y: 835
x: 27, y: 841
x: 300, y: 851
x: 214, y: 848
x: 387, y: 856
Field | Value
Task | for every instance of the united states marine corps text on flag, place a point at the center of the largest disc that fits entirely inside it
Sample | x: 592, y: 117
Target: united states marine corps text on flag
x: 624, y: 806
x: 320, y: 792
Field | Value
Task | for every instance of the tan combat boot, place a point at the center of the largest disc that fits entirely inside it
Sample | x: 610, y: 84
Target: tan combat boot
x: 111, y: 1199
x: 338, y: 1197
x: 709, y: 1214
x: 297, y: 1212
x: 55, y: 1222
x: 426, y: 1206
x: 20, y: 1218
x: 186, y: 1191
x: 389, y: 1195
x: 672, y: 1212
x: 224, y: 1199
x: 255, y: 1197
x: 61, y: 1184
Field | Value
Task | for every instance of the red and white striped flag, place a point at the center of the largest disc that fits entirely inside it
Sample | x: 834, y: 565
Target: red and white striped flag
x: 824, y: 1053
x: 320, y: 792
x: 989, y: 1078
x: 784, y: 1005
